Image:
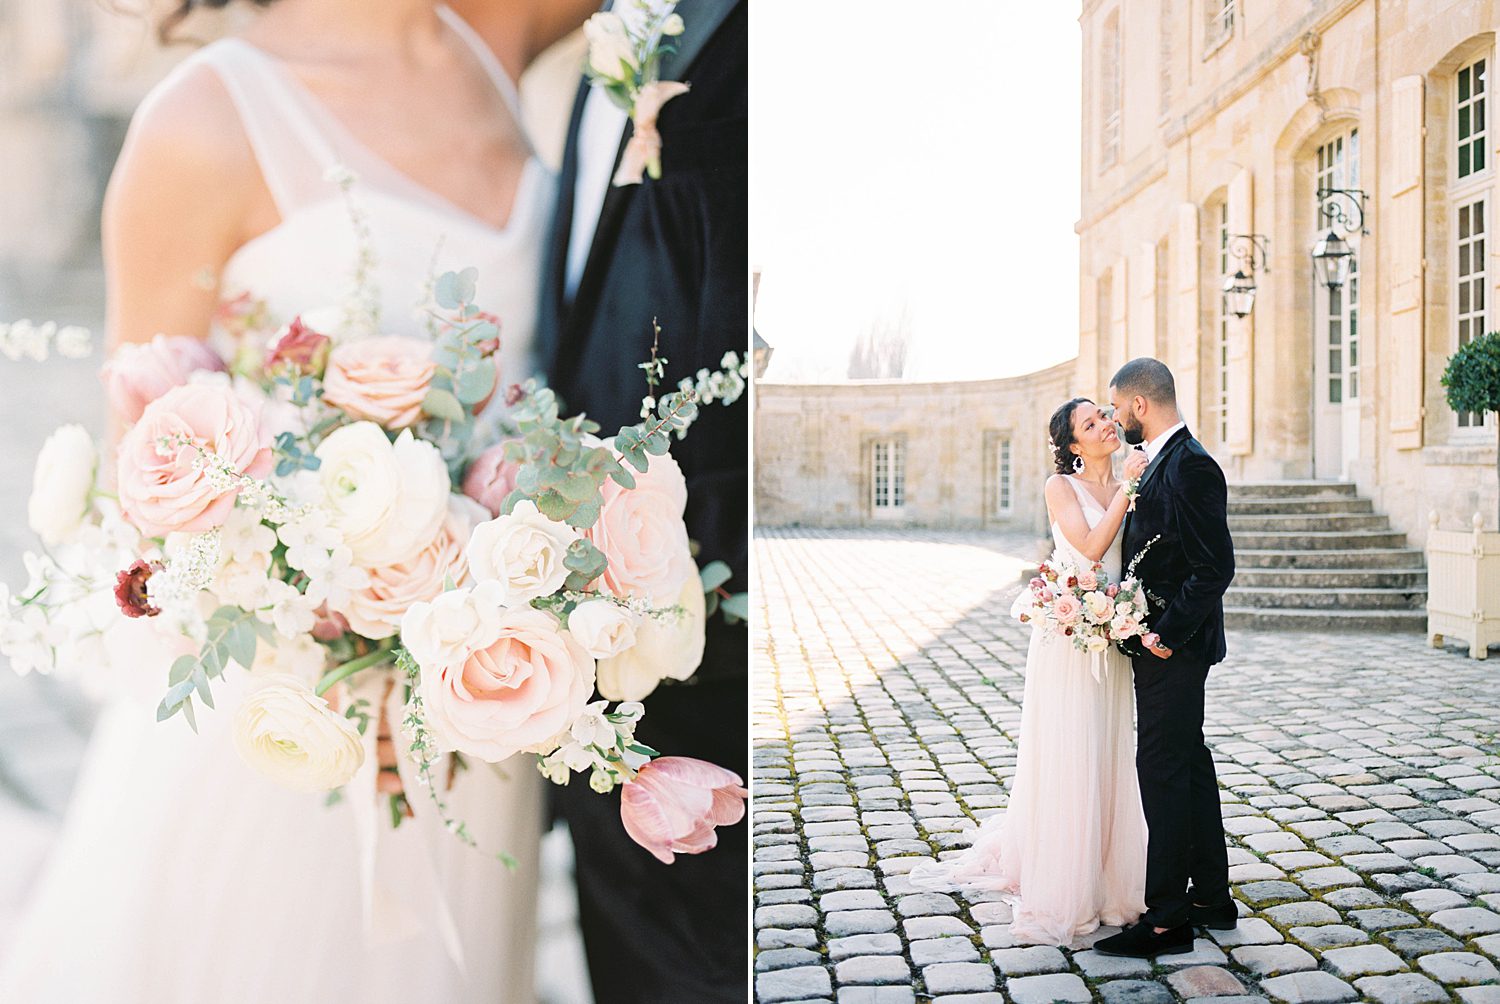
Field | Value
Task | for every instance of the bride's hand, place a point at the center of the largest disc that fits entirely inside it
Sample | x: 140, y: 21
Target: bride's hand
x: 388, y: 780
x: 1135, y: 464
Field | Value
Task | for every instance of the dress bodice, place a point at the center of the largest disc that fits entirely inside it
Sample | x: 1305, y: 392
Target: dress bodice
x: 1092, y: 513
x: 307, y: 261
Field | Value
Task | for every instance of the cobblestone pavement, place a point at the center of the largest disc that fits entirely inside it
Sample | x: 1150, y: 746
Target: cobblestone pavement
x: 1359, y: 774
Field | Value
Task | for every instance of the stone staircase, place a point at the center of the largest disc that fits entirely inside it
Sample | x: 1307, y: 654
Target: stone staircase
x: 1314, y: 555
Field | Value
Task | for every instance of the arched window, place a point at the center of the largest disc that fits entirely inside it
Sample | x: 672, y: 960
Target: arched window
x: 1109, y: 92
x: 1469, y: 209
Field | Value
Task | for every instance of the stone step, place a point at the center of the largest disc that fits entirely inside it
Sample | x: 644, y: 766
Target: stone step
x: 1319, y: 541
x: 1331, y: 522
x: 1326, y: 620
x: 1332, y: 559
x: 1330, y: 578
x: 1292, y: 489
x: 1284, y: 598
x: 1277, y: 507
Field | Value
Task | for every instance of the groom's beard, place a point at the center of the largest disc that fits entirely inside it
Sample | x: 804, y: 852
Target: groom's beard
x: 1134, y: 434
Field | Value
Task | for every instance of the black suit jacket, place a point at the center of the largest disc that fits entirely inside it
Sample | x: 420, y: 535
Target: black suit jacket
x: 673, y: 249
x: 1183, y: 502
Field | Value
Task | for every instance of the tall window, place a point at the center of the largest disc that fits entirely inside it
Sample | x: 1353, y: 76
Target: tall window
x: 888, y: 484
x: 1221, y: 361
x: 1338, y: 167
x: 1470, y: 310
x: 1003, y: 475
x: 1470, y: 200
x: 1220, y: 18
x: 1471, y: 119
x: 1109, y: 92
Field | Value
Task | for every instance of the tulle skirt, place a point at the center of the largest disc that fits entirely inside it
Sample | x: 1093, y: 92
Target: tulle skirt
x: 184, y: 877
x: 1069, y: 851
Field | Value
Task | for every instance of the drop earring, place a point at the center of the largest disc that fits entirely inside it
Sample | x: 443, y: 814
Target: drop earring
x: 1077, y: 465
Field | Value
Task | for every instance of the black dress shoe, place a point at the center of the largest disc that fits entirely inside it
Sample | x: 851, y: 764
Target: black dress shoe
x: 1140, y: 941
x: 1219, y: 918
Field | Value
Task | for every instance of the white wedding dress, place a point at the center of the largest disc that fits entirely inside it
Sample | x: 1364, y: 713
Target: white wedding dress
x: 1069, y: 851
x: 184, y: 877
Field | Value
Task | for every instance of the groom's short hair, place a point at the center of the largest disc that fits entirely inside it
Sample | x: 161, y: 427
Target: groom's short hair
x: 1149, y: 378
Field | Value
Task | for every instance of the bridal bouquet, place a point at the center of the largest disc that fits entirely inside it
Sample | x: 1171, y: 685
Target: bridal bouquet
x: 335, y: 514
x: 1081, y: 604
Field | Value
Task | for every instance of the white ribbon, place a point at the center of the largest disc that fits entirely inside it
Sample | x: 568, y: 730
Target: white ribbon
x: 402, y: 896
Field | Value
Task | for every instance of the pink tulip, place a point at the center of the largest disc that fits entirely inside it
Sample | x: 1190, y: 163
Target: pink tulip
x: 1151, y: 640
x: 298, y: 350
x: 675, y: 802
x: 1112, y: 591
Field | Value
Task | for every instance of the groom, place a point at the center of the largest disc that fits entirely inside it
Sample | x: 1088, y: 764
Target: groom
x: 1178, y: 540
x: 672, y: 249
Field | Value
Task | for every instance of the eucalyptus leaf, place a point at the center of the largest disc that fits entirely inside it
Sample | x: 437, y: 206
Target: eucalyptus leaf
x: 200, y: 684
x: 442, y: 404
x: 182, y: 668
x: 585, y: 515
x: 554, y: 506
x: 187, y: 710
x: 736, y: 607
x: 241, y: 644
x: 468, y: 282
x: 714, y: 574
x: 445, y: 291
x: 474, y: 385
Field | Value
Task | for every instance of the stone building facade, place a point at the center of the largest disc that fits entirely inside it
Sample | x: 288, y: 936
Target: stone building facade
x: 965, y: 454
x: 1207, y: 123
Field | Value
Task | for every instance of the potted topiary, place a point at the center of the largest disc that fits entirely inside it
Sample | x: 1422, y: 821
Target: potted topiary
x: 1463, y: 566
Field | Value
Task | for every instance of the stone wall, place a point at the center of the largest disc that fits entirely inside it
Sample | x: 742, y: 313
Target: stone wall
x: 814, y: 450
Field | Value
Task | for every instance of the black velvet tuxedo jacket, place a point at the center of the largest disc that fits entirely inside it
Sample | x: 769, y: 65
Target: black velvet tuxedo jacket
x: 1183, y: 504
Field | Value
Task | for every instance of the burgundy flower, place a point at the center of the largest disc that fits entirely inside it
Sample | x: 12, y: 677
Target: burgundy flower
x: 514, y: 395
x: 299, y: 349
x: 130, y: 589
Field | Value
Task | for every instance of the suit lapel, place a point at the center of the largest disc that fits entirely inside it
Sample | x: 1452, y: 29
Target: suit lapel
x: 701, y: 18
x: 1182, y: 435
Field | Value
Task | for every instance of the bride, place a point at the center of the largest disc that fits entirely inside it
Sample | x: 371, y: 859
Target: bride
x: 182, y: 877
x: 1070, y: 849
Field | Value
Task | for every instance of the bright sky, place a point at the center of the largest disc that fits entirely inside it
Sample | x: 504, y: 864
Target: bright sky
x: 917, y: 155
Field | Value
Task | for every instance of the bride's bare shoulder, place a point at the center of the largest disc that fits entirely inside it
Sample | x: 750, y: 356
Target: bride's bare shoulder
x: 184, y: 153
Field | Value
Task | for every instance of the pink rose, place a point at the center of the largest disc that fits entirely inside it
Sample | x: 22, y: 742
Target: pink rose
x: 1151, y: 640
x: 514, y: 682
x: 490, y: 478
x: 140, y: 372
x: 380, y: 379
x: 641, y: 532
x: 674, y: 803
x: 299, y: 350
x: 1067, y: 609
x: 1088, y: 580
x: 1113, y: 590
x: 375, y: 611
x: 160, y: 490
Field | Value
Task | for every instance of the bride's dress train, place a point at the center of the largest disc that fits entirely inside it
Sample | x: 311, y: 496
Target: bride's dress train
x: 184, y: 877
x: 1069, y: 851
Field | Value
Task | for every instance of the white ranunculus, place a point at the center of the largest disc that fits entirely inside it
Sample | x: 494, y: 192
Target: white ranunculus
x: 673, y: 25
x: 60, y: 488
x: 291, y: 735
x: 1100, y: 608
x: 1096, y: 643
x: 611, y: 53
x: 523, y: 551
x: 604, y: 628
x: 667, y: 646
x: 386, y: 499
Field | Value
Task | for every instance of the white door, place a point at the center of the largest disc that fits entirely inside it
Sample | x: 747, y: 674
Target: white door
x: 1336, y: 334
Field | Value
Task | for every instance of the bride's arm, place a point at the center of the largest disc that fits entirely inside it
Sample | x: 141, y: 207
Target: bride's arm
x: 1063, y: 502
x: 175, y: 210
x: 518, y: 31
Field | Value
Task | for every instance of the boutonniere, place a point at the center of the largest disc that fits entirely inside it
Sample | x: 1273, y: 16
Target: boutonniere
x: 624, y: 60
x: 1132, y: 489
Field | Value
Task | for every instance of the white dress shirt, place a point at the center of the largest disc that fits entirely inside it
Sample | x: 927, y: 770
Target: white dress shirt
x: 599, y: 133
x: 1154, y: 447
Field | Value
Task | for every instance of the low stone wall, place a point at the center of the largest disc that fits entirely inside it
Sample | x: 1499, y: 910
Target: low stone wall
x: 814, y: 450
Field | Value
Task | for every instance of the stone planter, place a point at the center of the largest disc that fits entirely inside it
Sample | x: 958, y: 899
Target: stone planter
x: 1463, y: 586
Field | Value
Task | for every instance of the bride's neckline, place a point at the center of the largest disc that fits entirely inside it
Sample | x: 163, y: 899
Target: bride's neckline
x: 452, y: 20
x: 1085, y: 492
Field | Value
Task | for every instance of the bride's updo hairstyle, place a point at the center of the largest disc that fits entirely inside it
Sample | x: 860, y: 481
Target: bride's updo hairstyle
x: 1060, y: 433
x: 169, y: 24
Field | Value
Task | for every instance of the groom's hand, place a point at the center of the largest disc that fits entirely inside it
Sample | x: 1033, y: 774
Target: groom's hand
x: 1160, y: 652
x: 1135, y: 463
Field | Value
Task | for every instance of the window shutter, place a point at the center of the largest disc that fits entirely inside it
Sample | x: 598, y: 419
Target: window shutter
x: 1404, y: 236
x: 1184, y: 317
x: 1241, y: 331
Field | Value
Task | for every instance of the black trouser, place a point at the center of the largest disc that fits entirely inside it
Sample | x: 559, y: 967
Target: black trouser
x: 1179, y: 790
x: 655, y: 933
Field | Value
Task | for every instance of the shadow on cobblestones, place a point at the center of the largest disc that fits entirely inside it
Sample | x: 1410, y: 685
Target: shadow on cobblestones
x: 1359, y: 777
